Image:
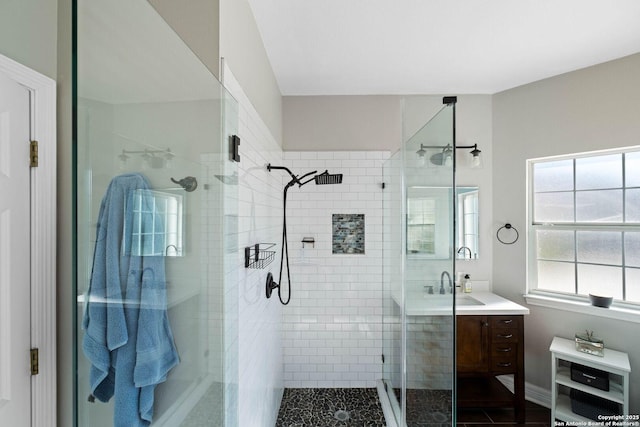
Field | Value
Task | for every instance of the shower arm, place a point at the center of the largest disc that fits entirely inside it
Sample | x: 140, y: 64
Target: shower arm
x: 294, y: 178
x: 269, y: 167
x: 307, y: 181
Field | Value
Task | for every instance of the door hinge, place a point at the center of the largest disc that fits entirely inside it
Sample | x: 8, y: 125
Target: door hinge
x: 382, y: 358
x: 34, y: 154
x: 34, y: 361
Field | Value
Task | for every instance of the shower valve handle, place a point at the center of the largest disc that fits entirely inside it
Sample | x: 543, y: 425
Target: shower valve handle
x: 271, y: 285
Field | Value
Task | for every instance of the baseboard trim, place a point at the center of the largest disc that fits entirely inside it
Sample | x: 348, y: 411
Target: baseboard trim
x: 532, y: 392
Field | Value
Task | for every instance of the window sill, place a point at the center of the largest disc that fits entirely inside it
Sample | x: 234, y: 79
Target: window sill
x: 613, y: 312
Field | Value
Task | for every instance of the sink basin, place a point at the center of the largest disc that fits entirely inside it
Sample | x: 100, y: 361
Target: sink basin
x: 461, y: 299
x: 467, y: 300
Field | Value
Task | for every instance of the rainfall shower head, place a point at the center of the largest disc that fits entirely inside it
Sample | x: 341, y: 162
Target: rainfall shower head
x: 327, y: 178
x: 228, y: 179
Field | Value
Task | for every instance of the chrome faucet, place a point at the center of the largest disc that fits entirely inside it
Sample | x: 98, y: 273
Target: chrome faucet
x: 464, y: 249
x: 445, y: 273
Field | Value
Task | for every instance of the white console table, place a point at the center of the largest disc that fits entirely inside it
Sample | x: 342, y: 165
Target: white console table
x: 563, y: 353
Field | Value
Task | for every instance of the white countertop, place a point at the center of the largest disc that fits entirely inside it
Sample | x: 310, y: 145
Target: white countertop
x: 475, y: 303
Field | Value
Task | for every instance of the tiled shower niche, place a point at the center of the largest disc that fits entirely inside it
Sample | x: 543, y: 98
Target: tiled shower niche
x: 348, y: 233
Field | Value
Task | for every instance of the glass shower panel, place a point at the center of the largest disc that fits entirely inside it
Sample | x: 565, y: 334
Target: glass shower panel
x: 156, y: 197
x: 393, y: 264
x: 429, y: 273
x: 419, y: 280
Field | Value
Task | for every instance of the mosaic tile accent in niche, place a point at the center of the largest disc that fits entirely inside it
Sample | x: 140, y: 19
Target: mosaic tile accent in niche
x: 348, y: 233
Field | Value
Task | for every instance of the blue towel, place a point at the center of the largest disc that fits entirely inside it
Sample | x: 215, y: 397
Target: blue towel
x: 127, y: 336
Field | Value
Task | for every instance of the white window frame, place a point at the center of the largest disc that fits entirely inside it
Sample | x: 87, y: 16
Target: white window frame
x: 571, y: 302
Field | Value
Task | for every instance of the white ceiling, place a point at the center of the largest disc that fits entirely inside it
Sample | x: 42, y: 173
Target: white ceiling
x: 330, y: 47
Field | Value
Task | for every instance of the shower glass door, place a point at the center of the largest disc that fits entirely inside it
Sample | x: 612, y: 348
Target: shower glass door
x: 419, y: 288
x: 393, y: 273
x: 155, y: 194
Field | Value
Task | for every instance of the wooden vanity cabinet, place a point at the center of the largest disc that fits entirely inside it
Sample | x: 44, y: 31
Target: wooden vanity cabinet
x: 488, y: 346
x: 472, y: 344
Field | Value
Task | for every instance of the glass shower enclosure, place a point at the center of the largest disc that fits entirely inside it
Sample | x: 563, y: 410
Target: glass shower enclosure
x: 156, y: 206
x: 418, y: 282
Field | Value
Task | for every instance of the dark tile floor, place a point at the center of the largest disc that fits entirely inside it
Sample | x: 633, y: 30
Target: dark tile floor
x: 360, y: 407
x: 428, y: 408
x: 535, y: 416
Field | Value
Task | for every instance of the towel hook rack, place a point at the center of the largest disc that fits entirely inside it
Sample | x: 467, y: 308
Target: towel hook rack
x: 189, y: 183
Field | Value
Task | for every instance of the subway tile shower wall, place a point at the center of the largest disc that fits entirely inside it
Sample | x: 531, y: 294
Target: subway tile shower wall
x: 254, y: 371
x: 332, y: 328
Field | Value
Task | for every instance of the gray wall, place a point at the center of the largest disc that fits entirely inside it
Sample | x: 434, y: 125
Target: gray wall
x: 242, y: 48
x: 216, y: 29
x: 65, y: 213
x: 28, y: 33
x: 197, y: 25
x: 334, y: 123
x: 590, y: 109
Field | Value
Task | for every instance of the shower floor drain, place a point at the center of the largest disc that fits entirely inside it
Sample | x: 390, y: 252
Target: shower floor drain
x: 341, y: 415
x: 440, y: 417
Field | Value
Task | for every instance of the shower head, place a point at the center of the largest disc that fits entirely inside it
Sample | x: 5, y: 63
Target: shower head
x: 228, y: 179
x: 327, y: 178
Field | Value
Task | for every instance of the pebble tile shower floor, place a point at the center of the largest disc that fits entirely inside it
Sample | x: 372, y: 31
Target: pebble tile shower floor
x: 330, y: 407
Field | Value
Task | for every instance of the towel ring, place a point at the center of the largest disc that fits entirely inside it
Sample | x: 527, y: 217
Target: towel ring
x: 508, y: 227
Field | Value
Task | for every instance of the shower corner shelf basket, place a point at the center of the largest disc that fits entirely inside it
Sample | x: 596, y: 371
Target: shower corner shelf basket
x: 258, y: 256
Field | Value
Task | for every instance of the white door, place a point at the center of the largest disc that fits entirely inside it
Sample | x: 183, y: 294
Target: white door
x: 15, y: 237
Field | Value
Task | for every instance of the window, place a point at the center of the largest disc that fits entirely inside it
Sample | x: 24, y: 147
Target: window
x: 421, y: 226
x: 584, y: 228
x: 156, y: 227
x: 468, y: 213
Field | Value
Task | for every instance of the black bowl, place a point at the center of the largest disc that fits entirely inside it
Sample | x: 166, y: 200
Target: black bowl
x: 599, y: 301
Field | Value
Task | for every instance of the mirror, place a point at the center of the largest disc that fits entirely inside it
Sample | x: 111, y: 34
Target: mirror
x: 429, y: 222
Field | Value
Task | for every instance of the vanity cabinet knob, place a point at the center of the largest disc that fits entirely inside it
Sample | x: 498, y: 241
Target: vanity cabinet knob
x: 507, y: 321
x: 504, y: 364
x: 505, y: 336
x: 485, y: 324
x: 504, y: 350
